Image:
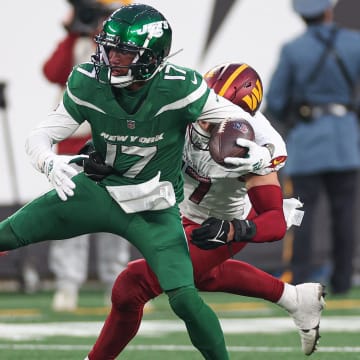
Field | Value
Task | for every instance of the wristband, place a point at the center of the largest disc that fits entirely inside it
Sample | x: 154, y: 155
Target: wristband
x: 244, y: 230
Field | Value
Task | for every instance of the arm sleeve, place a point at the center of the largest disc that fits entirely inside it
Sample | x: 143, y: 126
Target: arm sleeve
x: 59, y: 126
x: 267, y: 201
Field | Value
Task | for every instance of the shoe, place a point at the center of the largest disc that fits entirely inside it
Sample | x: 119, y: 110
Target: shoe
x: 310, y: 303
x: 65, y: 301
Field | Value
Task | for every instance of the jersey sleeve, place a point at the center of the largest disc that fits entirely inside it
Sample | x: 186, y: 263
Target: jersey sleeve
x: 185, y: 91
x: 217, y: 108
x: 72, y: 102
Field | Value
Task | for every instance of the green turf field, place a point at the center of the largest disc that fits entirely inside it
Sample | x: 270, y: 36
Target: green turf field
x: 254, y: 330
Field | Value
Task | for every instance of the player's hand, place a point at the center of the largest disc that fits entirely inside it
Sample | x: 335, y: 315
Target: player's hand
x: 59, y: 172
x: 95, y: 167
x: 258, y: 157
x: 212, y: 234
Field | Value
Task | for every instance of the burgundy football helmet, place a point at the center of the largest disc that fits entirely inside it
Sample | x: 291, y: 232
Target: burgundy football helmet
x: 237, y: 82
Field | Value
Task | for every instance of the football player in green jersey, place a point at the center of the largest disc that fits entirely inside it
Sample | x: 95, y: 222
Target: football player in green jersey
x: 138, y: 106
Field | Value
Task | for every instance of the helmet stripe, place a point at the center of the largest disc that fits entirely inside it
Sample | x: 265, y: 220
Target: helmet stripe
x: 231, y: 78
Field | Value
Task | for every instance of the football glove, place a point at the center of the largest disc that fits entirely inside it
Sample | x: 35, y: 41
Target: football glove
x: 95, y: 167
x: 214, y: 233
x: 59, y: 172
x: 258, y: 157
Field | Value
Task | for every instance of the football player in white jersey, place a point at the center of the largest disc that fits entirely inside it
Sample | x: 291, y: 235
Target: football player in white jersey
x: 212, y: 193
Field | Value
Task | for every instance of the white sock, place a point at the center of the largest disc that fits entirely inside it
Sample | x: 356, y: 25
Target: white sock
x: 288, y: 299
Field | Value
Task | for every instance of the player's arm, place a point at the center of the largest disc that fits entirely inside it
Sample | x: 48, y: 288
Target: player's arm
x: 260, y: 161
x: 268, y: 225
x: 38, y: 146
x: 267, y: 149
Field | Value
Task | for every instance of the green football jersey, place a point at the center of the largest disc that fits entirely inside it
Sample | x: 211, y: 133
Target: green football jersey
x: 140, y: 143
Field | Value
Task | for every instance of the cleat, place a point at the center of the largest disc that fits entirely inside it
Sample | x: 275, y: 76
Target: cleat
x: 310, y: 303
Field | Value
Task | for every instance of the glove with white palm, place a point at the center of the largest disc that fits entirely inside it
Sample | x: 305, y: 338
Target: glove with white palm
x: 59, y: 172
x: 258, y: 157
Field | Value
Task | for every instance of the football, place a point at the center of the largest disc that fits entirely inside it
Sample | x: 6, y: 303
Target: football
x: 223, y: 137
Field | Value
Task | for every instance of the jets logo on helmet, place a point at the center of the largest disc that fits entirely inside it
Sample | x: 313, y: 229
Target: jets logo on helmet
x: 237, y: 82
x: 155, y: 29
x: 135, y: 28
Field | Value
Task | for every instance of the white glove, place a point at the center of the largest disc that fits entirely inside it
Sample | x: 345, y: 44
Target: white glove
x: 59, y: 172
x: 258, y: 158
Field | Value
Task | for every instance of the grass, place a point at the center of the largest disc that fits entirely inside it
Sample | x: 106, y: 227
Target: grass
x: 35, y: 310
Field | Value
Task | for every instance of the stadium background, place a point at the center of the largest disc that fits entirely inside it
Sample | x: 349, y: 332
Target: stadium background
x: 208, y: 31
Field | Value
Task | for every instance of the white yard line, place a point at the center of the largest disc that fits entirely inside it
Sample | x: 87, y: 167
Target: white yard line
x: 160, y: 327
x: 236, y: 349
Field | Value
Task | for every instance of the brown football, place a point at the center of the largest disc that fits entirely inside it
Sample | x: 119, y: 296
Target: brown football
x: 223, y: 137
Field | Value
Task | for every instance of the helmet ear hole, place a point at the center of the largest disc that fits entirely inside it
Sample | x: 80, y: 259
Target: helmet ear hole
x: 140, y: 28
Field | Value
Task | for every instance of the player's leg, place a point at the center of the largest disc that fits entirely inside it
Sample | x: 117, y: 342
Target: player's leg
x: 250, y: 281
x: 49, y: 218
x: 133, y: 288
x: 167, y: 254
x: 304, y: 302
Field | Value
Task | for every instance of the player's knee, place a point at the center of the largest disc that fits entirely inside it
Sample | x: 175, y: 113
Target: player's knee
x: 185, y: 302
x: 133, y: 287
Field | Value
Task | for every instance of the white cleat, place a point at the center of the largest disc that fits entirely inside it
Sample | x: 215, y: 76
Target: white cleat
x: 310, y: 303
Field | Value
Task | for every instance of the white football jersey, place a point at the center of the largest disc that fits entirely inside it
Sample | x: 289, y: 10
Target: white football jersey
x: 208, y: 189
x: 212, y: 190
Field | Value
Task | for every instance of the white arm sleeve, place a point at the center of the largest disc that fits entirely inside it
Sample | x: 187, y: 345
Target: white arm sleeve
x: 217, y: 108
x: 58, y: 126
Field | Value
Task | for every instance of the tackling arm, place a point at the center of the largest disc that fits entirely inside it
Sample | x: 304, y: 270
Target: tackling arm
x: 266, y: 198
x: 268, y: 225
x: 266, y: 154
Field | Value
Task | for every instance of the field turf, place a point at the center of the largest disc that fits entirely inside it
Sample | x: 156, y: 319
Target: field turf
x: 254, y: 329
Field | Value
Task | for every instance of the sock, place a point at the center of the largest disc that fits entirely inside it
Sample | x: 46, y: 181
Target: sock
x: 288, y: 300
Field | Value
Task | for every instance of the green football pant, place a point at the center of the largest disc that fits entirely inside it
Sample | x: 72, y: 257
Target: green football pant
x: 158, y: 235
x: 201, y: 322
